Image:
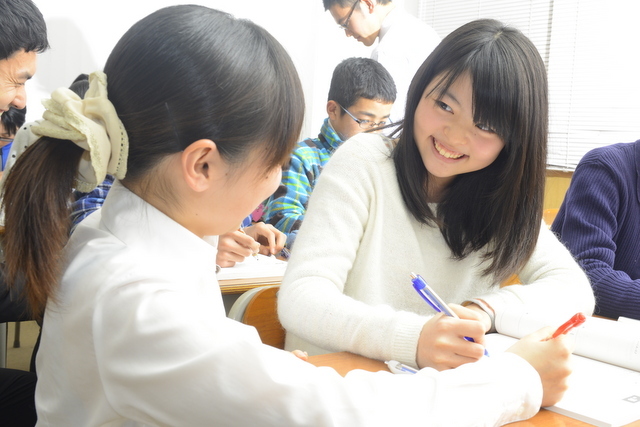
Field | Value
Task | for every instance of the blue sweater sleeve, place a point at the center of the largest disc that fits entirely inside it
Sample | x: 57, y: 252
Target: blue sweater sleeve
x: 594, y: 224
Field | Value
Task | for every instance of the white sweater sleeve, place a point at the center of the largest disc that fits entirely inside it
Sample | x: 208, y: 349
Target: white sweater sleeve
x: 165, y: 360
x: 552, y: 282
x: 312, y: 304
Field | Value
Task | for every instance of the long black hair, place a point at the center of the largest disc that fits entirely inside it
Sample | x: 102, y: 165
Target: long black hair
x: 500, y: 206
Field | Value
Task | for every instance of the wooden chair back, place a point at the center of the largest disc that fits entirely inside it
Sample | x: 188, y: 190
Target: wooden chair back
x: 261, y: 312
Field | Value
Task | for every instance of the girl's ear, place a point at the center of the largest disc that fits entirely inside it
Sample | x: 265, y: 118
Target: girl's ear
x: 201, y: 162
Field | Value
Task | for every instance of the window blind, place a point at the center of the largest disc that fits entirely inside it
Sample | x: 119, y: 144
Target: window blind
x: 591, y: 49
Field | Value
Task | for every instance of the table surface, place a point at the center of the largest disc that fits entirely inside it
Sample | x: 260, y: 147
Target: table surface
x: 344, y: 362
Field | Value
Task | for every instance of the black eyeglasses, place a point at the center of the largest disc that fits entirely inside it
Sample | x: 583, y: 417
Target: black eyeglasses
x: 6, y: 140
x: 345, y: 26
x: 364, y: 124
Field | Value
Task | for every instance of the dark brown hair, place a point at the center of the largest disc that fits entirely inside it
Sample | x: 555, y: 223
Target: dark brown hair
x: 500, y: 206
x: 205, y: 75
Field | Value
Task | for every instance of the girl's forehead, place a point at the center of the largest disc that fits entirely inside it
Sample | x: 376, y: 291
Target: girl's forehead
x: 445, y: 81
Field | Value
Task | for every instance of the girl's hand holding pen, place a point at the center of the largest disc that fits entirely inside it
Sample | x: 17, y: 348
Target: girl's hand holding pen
x: 234, y: 247
x: 259, y: 238
x: 270, y: 238
x: 550, y: 358
x: 442, y: 345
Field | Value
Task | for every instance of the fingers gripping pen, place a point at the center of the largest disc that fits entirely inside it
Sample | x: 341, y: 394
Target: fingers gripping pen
x: 434, y: 300
x: 575, y: 321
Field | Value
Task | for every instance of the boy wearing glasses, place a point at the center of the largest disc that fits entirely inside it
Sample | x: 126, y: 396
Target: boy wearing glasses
x: 404, y: 41
x: 361, y: 95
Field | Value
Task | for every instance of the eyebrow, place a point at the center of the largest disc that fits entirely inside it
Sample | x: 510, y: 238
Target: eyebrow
x: 24, y: 75
x: 450, y: 95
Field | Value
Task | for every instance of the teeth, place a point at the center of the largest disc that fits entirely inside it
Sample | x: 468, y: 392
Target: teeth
x: 446, y: 153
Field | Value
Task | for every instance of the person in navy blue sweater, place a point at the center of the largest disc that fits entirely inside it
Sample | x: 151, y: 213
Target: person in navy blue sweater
x: 599, y: 222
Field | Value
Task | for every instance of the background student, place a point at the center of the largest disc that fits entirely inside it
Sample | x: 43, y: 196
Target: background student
x: 361, y: 95
x: 135, y: 331
x: 10, y: 122
x: 599, y: 221
x: 457, y: 198
x: 404, y: 41
x: 23, y: 34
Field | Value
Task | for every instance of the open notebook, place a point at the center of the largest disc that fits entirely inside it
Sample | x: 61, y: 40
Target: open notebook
x: 259, y: 267
x: 604, y: 388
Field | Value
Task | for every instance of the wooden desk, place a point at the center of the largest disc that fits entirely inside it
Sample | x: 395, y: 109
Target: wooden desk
x: 344, y: 362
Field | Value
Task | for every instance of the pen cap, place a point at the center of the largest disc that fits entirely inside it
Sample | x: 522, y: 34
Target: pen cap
x: 417, y: 283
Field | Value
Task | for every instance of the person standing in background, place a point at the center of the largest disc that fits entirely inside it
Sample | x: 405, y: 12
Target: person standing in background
x: 404, y: 41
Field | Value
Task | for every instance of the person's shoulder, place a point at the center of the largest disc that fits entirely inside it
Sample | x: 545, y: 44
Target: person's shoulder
x: 408, y: 22
x: 364, y: 152
x: 368, y: 145
x: 616, y: 155
x: 307, y: 143
x: 307, y: 151
x: 399, y: 41
x: 24, y: 136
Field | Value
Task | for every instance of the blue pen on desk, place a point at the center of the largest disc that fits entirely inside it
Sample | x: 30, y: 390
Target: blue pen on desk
x: 434, y: 300
x: 400, y: 368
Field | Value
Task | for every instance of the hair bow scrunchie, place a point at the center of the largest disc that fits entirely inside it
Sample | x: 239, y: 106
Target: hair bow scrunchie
x: 92, y: 124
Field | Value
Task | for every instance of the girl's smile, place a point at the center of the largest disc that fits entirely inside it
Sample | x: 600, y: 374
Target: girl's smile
x: 445, y: 152
x: 449, y: 141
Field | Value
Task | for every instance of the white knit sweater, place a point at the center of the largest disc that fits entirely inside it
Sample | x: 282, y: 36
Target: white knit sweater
x: 348, y: 287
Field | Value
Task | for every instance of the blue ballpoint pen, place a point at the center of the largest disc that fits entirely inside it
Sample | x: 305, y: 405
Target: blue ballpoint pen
x: 434, y: 300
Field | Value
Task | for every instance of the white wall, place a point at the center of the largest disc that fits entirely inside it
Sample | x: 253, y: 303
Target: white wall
x: 83, y: 32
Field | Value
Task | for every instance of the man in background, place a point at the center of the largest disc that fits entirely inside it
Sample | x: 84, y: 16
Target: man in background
x: 23, y: 34
x: 404, y: 42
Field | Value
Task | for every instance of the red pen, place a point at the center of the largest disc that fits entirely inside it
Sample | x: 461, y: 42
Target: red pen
x: 576, y: 320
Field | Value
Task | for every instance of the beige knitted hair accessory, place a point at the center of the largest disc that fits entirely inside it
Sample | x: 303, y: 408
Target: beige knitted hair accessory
x: 91, y: 123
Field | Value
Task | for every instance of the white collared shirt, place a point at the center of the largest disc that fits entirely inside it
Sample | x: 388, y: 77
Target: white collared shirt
x: 137, y: 335
x: 404, y: 42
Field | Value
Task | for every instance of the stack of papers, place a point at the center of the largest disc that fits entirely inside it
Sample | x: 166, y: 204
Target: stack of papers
x: 604, y: 388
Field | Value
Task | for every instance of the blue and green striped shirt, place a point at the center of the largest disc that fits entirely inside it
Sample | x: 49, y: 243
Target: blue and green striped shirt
x: 285, y: 209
